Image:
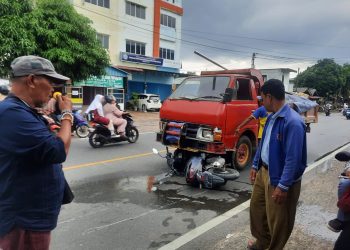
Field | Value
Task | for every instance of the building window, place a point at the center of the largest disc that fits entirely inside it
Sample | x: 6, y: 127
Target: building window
x: 104, y: 39
x: 168, y: 21
x: 102, y: 3
x: 166, y: 53
x: 135, y: 47
x: 135, y: 10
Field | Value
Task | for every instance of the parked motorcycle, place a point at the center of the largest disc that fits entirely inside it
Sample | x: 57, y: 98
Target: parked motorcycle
x: 100, y: 135
x: 80, y: 125
x: 200, y: 170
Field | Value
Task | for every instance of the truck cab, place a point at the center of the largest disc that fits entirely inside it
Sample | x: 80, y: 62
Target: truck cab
x: 202, y: 114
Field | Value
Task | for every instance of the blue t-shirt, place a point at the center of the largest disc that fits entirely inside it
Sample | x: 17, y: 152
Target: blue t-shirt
x: 260, y: 112
x: 31, y: 176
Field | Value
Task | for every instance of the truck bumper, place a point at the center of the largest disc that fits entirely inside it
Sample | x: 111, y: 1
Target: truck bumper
x: 194, y: 145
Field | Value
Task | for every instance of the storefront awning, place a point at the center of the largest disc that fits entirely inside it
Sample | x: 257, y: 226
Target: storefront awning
x: 114, y: 71
x: 129, y: 68
x: 112, y: 79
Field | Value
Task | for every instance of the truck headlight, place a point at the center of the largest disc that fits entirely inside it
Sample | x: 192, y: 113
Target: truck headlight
x: 208, y: 134
x: 205, y: 134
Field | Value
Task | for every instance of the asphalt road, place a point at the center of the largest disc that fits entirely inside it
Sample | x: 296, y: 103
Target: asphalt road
x: 114, y: 209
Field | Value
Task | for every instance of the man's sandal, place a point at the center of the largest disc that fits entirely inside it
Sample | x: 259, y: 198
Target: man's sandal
x: 252, y: 245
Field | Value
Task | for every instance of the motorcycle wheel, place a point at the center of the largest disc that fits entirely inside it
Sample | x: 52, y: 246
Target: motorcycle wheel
x: 82, y: 131
x: 133, y: 135
x: 94, y: 142
x: 228, y: 174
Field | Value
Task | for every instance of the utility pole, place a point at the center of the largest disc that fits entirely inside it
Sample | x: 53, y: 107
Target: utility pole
x: 253, y: 59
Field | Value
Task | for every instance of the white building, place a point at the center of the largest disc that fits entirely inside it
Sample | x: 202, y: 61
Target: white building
x: 282, y: 74
x: 143, y: 38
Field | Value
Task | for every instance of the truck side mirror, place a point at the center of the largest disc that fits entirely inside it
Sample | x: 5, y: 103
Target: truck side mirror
x: 229, y: 94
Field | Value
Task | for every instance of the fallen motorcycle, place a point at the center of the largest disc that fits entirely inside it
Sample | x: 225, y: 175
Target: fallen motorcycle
x: 100, y: 135
x: 199, y: 170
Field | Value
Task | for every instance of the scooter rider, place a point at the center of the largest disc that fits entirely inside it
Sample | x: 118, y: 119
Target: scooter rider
x: 114, y: 114
x: 99, y: 117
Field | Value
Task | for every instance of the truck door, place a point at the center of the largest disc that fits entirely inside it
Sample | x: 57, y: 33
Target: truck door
x: 240, y: 108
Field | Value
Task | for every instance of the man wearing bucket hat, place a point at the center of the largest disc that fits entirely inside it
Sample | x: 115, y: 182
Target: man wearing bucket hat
x: 31, y: 178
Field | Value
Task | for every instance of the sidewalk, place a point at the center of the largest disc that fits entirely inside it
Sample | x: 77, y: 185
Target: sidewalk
x: 146, y: 121
x: 317, y: 205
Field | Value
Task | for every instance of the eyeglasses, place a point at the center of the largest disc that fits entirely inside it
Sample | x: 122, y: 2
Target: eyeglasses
x: 52, y: 81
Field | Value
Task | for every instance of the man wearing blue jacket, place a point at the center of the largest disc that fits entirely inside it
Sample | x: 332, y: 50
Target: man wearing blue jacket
x: 277, y: 170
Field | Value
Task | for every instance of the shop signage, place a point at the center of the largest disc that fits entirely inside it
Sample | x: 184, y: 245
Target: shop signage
x: 103, y: 81
x: 141, y: 59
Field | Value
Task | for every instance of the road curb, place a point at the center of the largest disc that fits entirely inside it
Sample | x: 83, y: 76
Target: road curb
x: 191, y: 235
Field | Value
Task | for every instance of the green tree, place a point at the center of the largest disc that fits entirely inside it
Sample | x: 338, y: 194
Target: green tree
x: 346, y: 75
x: 326, y: 77
x: 15, y: 32
x: 67, y: 39
x: 54, y: 30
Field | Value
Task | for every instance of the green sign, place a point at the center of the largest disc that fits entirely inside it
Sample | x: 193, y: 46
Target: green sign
x: 103, y: 81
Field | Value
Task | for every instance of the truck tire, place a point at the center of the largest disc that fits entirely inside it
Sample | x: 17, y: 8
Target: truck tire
x: 242, y: 158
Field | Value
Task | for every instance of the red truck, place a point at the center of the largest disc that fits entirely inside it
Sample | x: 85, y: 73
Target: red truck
x: 202, y: 114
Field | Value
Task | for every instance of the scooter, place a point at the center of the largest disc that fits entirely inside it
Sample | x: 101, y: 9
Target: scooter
x: 202, y: 171
x: 80, y: 125
x: 100, y: 135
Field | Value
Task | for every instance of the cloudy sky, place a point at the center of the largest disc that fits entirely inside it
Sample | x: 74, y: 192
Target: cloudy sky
x: 283, y: 33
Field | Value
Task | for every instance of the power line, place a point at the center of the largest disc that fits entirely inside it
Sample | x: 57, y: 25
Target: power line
x: 274, y: 57
x: 269, y: 40
x: 254, y: 48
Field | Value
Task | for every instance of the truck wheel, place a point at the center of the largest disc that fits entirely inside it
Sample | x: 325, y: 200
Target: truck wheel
x: 244, y: 153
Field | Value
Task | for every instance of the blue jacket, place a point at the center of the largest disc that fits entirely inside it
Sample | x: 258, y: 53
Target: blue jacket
x: 287, y: 149
x: 31, y: 176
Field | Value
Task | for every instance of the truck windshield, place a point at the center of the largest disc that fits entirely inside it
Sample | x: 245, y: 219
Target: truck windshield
x: 206, y: 87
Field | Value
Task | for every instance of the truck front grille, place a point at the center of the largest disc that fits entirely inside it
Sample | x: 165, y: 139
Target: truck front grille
x: 190, y: 130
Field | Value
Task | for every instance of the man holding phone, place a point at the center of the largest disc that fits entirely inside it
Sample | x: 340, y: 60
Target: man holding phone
x: 31, y: 178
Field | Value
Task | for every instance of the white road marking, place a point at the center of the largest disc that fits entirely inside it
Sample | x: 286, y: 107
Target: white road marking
x: 189, y: 236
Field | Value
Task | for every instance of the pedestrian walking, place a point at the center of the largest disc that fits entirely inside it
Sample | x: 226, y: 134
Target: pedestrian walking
x: 277, y: 170
x: 32, y: 183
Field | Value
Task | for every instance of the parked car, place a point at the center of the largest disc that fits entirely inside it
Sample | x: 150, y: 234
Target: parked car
x: 145, y: 102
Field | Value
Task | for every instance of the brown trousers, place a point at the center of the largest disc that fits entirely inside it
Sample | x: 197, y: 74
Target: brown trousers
x: 21, y: 239
x: 271, y: 223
